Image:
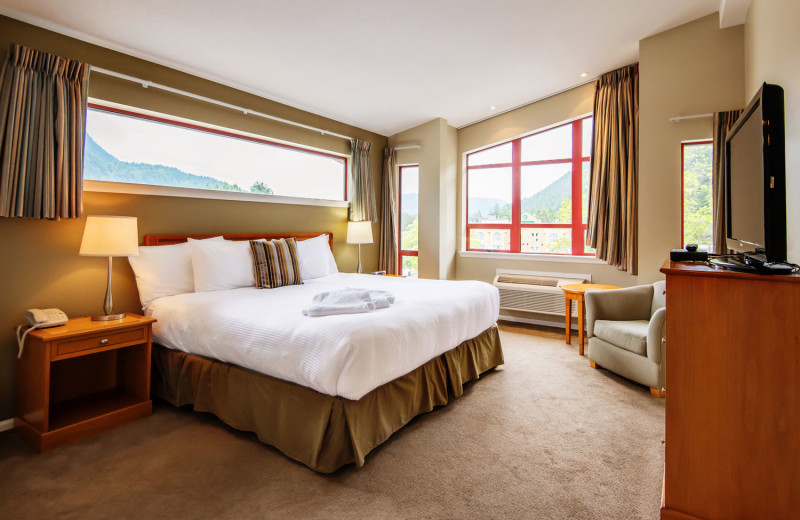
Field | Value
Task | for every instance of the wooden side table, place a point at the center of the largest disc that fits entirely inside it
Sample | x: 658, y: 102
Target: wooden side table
x: 83, y: 378
x: 576, y: 291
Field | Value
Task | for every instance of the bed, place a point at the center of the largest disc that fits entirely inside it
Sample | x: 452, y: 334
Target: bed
x: 325, y: 391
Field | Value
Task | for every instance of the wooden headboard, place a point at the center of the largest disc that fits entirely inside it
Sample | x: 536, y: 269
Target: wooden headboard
x: 164, y: 240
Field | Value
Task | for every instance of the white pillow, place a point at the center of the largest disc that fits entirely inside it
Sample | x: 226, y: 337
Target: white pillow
x: 221, y: 264
x: 315, y: 258
x: 163, y: 271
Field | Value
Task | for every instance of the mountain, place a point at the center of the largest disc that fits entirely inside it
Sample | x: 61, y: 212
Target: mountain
x: 551, y: 196
x: 484, y: 204
x: 99, y: 165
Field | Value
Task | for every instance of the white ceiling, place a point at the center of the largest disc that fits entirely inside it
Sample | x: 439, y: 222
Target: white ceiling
x: 382, y: 65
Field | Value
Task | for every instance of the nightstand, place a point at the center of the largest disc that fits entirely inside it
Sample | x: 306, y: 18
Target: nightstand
x: 83, y: 378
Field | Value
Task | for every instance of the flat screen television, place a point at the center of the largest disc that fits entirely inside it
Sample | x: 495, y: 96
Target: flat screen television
x: 755, y: 202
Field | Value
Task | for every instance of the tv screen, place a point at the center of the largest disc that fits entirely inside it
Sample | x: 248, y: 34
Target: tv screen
x: 755, y: 202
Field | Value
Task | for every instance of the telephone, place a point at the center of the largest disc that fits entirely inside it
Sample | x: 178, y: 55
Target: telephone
x: 43, y: 318
x: 39, y: 319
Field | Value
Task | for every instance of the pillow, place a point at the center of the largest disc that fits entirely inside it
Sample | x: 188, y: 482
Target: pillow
x: 163, y: 271
x: 221, y: 264
x: 275, y: 263
x: 315, y: 257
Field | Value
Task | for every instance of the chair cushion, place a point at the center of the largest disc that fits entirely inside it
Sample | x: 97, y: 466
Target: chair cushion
x: 628, y: 335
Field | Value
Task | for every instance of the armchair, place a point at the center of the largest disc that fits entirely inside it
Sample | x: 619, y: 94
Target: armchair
x: 626, y: 328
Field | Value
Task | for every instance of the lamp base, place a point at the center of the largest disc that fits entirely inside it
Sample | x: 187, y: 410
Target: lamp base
x: 108, y: 317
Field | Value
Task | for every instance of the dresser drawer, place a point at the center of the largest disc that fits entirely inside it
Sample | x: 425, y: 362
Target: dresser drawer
x: 63, y: 348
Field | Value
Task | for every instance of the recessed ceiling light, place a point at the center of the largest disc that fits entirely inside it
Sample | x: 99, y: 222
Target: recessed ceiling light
x: 584, y: 74
x: 492, y: 107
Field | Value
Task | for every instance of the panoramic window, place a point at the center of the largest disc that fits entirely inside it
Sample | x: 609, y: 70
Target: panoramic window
x: 409, y: 221
x: 696, y: 204
x: 128, y: 147
x: 531, y: 195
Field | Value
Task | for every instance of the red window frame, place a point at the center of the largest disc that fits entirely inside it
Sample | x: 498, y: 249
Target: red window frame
x: 683, y: 197
x: 130, y: 113
x: 577, y: 226
x: 404, y: 252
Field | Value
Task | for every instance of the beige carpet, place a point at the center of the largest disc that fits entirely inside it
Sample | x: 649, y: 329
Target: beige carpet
x: 544, y: 437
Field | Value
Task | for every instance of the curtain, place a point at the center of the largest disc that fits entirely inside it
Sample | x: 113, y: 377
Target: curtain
x: 613, y: 221
x: 362, y: 200
x: 42, y: 127
x: 723, y: 122
x: 388, y: 244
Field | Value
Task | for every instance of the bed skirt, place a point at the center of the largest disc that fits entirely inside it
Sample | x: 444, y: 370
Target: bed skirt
x: 321, y: 431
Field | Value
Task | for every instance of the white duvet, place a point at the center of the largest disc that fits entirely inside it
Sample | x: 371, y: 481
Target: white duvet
x: 345, y: 355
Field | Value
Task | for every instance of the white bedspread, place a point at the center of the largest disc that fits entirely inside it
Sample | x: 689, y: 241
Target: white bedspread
x: 346, y: 355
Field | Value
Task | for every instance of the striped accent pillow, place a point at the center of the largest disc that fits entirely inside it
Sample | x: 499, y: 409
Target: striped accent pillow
x: 275, y: 263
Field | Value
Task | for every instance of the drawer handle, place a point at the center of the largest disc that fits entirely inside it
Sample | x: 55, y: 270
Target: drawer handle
x: 104, y: 341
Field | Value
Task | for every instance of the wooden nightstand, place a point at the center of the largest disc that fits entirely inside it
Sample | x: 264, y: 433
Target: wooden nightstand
x: 83, y: 378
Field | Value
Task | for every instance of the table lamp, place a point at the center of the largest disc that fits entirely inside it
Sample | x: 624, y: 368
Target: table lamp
x: 359, y: 233
x: 108, y: 235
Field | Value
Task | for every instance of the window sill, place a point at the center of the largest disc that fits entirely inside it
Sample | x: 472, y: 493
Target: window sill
x: 194, y: 193
x: 569, y: 259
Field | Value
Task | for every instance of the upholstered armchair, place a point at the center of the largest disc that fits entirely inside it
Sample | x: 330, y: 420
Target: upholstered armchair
x: 626, y: 328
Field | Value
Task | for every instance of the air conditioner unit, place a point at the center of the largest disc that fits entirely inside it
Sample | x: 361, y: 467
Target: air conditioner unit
x: 535, y: 292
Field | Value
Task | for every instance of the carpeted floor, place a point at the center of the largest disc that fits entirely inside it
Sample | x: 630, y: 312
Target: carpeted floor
x: 543, y: 437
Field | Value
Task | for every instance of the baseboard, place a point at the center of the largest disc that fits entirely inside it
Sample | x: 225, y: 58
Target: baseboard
x: 8, y: 424
x: 531, y: 321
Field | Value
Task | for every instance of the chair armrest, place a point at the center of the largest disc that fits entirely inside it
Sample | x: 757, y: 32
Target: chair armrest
x: 656, y: 332
x: 631, y: 303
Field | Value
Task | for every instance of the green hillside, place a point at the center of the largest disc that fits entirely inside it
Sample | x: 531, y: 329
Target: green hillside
x: 99, y: 165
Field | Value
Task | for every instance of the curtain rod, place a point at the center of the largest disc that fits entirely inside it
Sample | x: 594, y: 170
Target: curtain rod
x: 678, y: 119
x: 409, y: 147
x: 245, y: 111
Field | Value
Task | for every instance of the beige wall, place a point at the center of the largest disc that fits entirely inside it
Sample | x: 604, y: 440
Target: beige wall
x: 40, y: 265
x: 692, y: 69
x: 437, y: 199
x: 772, y: 55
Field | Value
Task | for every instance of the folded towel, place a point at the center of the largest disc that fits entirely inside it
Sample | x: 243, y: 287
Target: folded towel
x: 339, y: 308
x: 348, y: 301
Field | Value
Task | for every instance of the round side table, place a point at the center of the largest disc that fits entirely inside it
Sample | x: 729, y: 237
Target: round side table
x: 576, y: 291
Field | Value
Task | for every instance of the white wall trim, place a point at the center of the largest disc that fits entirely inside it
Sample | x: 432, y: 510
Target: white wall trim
x: 195, y: 193
x: 6, y: 425
x: 567, y: 259
x: 586, y: 276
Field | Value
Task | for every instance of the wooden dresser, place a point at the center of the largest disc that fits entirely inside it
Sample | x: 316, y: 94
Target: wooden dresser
x: 733, y: 395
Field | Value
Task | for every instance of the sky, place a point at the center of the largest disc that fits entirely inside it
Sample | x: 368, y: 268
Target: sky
x: 236, y: 161
x: 495, y: 183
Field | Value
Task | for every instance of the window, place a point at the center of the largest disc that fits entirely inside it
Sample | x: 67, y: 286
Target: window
x: 531, y: 195
x: 409, y: 221
x: 125, y: 146
x: 696, y: 204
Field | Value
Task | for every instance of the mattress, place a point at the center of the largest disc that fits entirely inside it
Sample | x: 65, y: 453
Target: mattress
x: 344, y: 355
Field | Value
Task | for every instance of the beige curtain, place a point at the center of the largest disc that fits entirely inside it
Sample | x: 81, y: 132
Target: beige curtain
x: 362, y: 195
x: 723, y: 122
x: 42, y: 127
x: 388, y: 244
x: 612, y: 227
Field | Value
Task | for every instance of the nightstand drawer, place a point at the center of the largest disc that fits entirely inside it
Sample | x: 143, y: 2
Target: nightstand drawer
x: 63, y: 348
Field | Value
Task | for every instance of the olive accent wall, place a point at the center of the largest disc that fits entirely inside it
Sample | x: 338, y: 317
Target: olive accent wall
x: 39, y: 263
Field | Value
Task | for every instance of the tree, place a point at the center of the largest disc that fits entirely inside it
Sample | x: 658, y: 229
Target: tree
x: 260, y: 187
x: 697, y: 197
x: 410, y: 236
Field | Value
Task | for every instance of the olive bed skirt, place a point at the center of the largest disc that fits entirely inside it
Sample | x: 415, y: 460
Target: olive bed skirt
x: 321, y: 431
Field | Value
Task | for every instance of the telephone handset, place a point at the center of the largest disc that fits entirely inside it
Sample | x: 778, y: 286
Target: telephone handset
x: 39, y: 319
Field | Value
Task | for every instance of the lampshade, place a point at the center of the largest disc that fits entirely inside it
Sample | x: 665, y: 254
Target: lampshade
x: 110, y: 235
x: 359, y: 232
